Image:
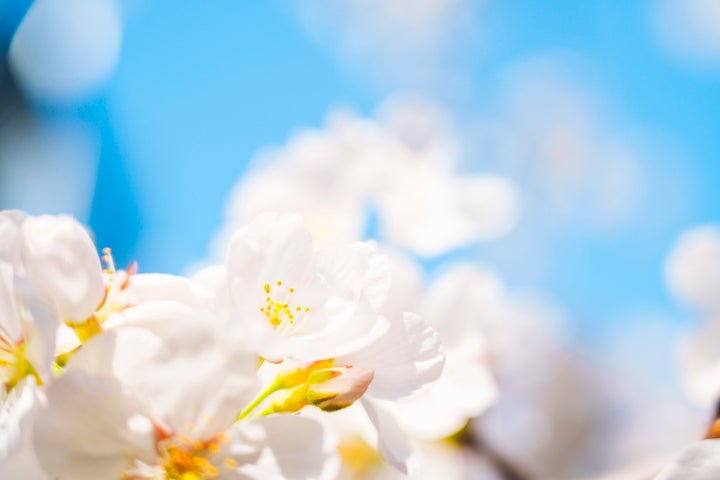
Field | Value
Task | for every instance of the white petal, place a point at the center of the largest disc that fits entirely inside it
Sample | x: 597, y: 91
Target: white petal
x: 156, y: 286
x: 465, y: 390
x: 294, y: 448
x: 10, y: 320
x: 186, y: 375
x: 63, y: 263
x: 88, y: 430
x: 698, y: 461
x: 355, y: 271
x: 271, y: 248
x: 406, y: 284
x: 393, y: 444
x: 214, y: 279
x: 404, y: 359
x: 345, y: 334
x: 156, y: 316
x: 26, y: 317
x: 17, y: 414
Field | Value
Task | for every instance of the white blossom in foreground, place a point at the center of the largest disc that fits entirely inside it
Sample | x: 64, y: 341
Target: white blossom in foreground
x: 156, y: 377
x: 58, y: 259
x: 149, y: 403
x: 315, y: 304
x: 319, y: 311
x: 54, y: 260
x: 435, y: 411
x: 308, y: 303
x: 44, y: 264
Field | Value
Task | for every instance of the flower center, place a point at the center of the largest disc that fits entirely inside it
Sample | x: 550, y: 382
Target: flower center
x: 191, y: 459
x: 281, y: 312
x: 14, y: 365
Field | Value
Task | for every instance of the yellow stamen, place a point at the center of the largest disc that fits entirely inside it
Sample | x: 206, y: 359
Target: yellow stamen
x: 14, y: 365
x: 279, y: 312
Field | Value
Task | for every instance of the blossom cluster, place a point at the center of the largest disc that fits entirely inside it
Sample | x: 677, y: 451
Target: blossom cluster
x: 117, y: 374
x: 303, y: 352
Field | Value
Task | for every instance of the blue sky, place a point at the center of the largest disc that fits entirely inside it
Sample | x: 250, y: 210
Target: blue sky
x: 201, y: 86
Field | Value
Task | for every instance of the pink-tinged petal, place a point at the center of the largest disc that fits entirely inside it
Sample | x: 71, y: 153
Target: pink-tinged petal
x: 295, y: 448
x: 404, y: 359
x: 61, y: 261
x: 698, y: 461
x: 90, y: 429
x: 337, y: 388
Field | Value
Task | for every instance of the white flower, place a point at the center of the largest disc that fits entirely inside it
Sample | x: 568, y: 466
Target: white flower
x: 57, y: 257
x: 308, y: 303
x: 161, y: 403
x: 320, y: 304
x: 322, y: 307
x: 53, y: 259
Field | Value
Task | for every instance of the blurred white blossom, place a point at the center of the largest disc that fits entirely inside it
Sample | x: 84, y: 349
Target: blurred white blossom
x: 692, y: 272
x: 64, y: 51
x: 689, y: 29
x: 405, y: 170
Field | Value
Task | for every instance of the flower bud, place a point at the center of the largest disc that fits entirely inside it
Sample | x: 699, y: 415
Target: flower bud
x: 337, y: 388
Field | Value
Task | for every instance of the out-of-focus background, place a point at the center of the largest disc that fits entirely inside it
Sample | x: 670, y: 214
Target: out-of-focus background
x: 140, y: 118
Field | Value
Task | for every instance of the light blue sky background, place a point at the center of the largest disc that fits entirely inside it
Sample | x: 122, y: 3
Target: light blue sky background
x: 201, y: 86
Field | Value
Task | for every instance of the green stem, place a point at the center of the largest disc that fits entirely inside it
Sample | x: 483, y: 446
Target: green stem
x: 272, y: 388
